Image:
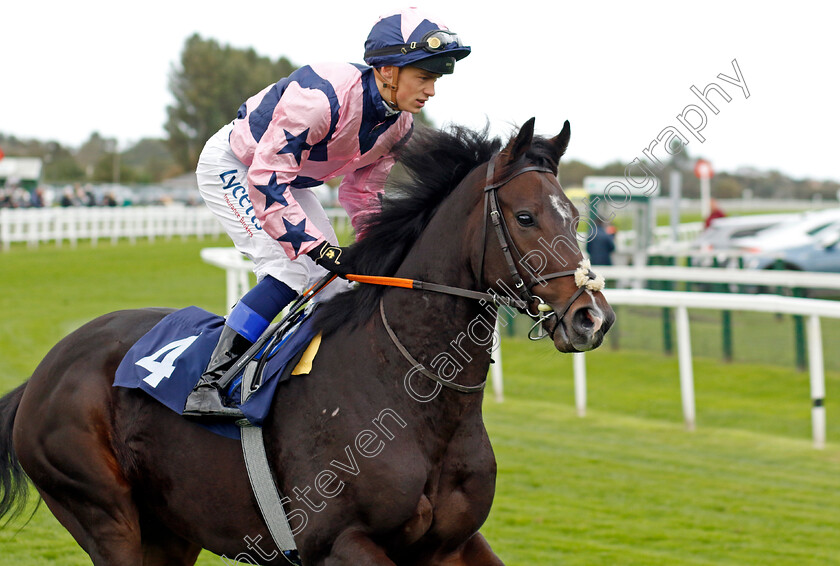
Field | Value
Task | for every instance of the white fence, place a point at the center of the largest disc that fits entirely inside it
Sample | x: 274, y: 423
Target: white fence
x: 813, y: 309
x: 731, y: 275
x: 662, y: 235
x: 35, y: 226
x: 237, y: 269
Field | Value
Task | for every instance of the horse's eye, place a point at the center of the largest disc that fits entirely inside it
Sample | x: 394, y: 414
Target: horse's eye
x: 525, y: 219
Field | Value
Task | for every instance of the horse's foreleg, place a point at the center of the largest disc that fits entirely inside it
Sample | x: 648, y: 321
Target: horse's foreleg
x: 352, y: 548
x: 475, y: 552
x: 162, y: 547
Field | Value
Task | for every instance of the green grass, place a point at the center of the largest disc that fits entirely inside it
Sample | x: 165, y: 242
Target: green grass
x: 625, y: 485
x: 628, y: 485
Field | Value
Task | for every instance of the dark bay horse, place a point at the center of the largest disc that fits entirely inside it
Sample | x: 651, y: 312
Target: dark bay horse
x: 382, y: 465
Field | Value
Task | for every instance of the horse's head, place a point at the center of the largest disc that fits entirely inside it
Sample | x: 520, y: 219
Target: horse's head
x: 530, y: 245
x: 433, y: 227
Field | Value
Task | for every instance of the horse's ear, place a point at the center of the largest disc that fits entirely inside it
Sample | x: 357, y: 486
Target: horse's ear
x: 520, y: 144
x: 561, y: 140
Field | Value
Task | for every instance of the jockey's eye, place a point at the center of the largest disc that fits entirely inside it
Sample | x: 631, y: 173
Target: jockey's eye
x: 525, y: 219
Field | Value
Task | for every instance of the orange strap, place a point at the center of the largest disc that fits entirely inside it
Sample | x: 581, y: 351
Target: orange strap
x: 388, y: 281
x: 494, y: 298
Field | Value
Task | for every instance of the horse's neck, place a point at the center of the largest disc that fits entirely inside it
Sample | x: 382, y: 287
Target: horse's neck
x: 439, y: 327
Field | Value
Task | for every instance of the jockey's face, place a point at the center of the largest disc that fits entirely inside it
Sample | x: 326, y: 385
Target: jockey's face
x: 415, y: 86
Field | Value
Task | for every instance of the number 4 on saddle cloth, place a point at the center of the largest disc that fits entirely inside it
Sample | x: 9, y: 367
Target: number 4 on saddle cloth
x: 168, y: 361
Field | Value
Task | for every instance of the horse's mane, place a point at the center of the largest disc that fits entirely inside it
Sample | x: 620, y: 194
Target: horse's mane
x: 432, y: 164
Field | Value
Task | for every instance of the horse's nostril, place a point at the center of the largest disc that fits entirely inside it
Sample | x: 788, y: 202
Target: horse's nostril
x: 586, y: 320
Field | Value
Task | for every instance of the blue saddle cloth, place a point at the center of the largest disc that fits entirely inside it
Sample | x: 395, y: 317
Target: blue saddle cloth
x: 168, y: 361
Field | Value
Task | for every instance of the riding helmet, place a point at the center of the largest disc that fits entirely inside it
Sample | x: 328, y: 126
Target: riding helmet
x: 411, y: 37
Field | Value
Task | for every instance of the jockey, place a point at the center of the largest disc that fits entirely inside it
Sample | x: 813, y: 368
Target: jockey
x: 320, y: 122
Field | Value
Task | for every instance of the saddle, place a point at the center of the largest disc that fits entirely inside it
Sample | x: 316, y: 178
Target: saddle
x: 167, y: 362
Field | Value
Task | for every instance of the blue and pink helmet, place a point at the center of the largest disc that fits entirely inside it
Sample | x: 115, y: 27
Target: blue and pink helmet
x: 410, y: 37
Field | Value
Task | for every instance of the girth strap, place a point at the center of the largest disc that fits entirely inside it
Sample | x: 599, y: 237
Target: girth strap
x: 268, y: 498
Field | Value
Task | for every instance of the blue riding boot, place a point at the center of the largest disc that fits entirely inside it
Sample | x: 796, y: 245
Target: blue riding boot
x: 246, y: 322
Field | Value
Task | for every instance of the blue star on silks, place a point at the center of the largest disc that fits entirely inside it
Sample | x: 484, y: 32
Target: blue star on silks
x: 296, y: 234
x: 295, y: 144
x: 273, y: 192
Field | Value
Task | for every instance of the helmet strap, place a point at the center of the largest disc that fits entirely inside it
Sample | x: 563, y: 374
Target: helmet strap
x: 392, y: 86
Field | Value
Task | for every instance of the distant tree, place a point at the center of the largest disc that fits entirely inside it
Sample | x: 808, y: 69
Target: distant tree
x: 60, y: 164
x: 726, y: 186
x: 573, y: 172
x: 150, y: 161
x: 62, y: 169
x: 111, y: 169
x: 92, y: 151
x: 208, y: 86
x: 14, y: 146
x: 611, y: 169
x: 423, y: 119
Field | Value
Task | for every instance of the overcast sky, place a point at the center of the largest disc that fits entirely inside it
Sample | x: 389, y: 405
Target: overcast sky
x: 620, y: 72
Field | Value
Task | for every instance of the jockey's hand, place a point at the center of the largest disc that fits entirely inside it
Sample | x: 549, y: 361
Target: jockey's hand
x: 331, y: 258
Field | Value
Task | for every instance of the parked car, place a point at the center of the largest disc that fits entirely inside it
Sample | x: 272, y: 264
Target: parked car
x: 809, y: 243
x: 725, y: 233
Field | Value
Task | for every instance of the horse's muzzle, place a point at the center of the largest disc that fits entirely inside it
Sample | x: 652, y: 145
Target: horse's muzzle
x: 582, y: 328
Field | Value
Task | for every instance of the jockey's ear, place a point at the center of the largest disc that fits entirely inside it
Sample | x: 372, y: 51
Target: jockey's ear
x: 561, y: 140
x: 517, y: 147
x: 387, y: 73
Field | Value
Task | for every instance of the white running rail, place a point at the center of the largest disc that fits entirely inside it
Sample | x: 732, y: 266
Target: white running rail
x: 237, y: 268
x: 813, y: 309
x: 36, y: 226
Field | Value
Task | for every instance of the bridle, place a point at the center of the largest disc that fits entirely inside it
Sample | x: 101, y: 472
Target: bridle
x: 584, y: 277
x: 492, y: 211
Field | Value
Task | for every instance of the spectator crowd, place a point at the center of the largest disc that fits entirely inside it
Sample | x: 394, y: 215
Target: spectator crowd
x: 15, y: 196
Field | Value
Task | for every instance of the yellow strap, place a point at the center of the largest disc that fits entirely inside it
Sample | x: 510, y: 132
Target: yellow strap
x: 305, y: 364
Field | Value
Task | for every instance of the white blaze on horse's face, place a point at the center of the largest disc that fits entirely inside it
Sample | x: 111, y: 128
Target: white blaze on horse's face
x: 561, y: 207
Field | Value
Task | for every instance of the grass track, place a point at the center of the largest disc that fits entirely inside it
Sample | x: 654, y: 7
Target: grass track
x: 626, y: 485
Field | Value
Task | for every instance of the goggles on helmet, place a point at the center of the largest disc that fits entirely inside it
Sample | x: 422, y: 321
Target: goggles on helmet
x: 433, y: 42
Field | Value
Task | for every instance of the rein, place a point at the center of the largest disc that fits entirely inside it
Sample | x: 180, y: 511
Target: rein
x: 495, y: 299
x: 584, y: 279
x: 419, y: 367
